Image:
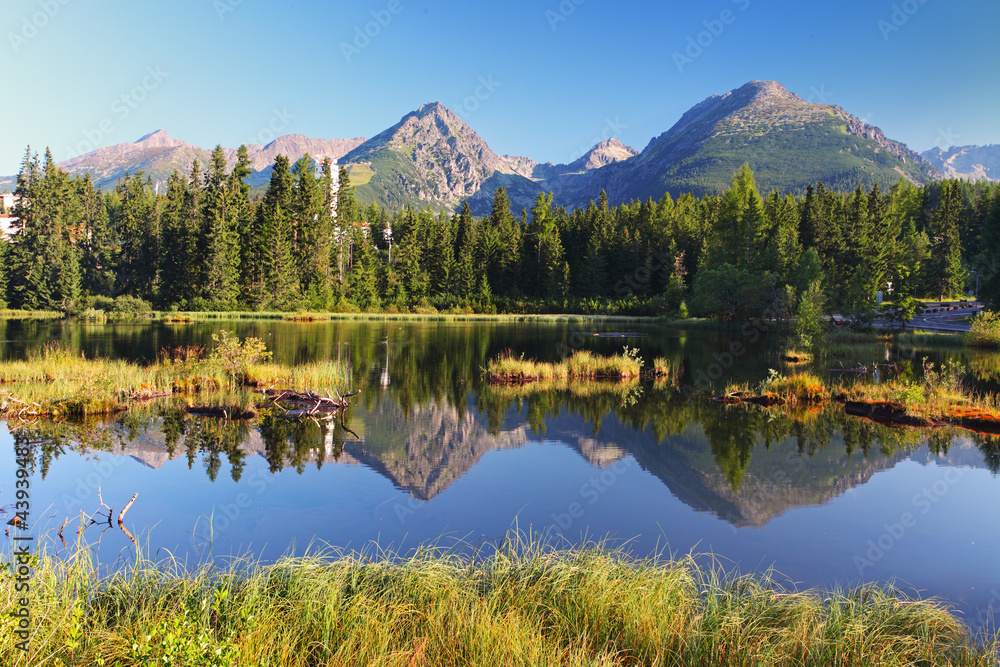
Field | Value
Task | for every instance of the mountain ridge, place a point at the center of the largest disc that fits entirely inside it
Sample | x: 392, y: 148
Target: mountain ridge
x: 157, y: 154
x: 787, y: 141
x: 972, y: 162
x: 432, y: 158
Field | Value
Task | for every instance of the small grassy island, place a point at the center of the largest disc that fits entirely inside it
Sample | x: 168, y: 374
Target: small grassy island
x: 939, y: 399
x: 508, y: 368
x: 523, y: 604
x: 56, y: 383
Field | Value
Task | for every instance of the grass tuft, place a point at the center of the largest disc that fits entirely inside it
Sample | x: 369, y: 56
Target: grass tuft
x: 507, y: 368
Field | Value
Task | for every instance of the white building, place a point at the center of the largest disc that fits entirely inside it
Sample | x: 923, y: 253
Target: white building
x: 6, y: 219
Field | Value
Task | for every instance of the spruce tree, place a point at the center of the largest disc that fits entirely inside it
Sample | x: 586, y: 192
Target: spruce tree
x: 344, y: 220
x: 311, y: 246
x: 45, y: 270
x: 467, y: 264
x: 99, y: 248
x: 134, y: 216
x: 175, y: 244
x: 410, y: 278
x: 440, y: 258
x: 223, y: 205
x: 502, y: 246
x: 946, y: 271
x: 278, y: 276
x: 364, y: 273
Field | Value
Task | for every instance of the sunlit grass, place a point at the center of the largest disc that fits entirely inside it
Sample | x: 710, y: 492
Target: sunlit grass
x: 797, y: 388
x: 582, y: 365
x: 794, y: 356
x: 521, y: 604
x: 197, y: 316
x: 664, y: 368
x: 30, y: 315
x: 56, y: 382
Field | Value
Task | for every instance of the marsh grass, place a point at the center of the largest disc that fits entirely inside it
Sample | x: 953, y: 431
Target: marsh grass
x: 664, y: 368
x: 316, y: 375
x: 428, y: 315
x: 30, y: 315
x: 521, y: 603
x: 939, y: 395
x: 939, y: 398
x: 797, y: 388
x: 582, y: 365
x: 56, y: 382
x: 307, y: 317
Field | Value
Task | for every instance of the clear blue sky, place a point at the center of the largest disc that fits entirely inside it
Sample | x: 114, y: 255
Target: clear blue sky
x: 562, y: 75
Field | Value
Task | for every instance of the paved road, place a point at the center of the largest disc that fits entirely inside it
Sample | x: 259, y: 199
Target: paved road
x: 946, y: 321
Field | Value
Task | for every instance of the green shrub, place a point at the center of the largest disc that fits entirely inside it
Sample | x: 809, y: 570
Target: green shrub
x: 236, y: 357
x: 984, y: 330
x: 100, y: 302
x: 131, y: 306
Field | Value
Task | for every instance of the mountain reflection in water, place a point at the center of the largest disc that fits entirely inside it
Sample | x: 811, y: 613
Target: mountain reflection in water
x: 746, y: 465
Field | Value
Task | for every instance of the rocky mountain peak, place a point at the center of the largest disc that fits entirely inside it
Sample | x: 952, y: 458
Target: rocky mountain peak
x: 762, y: 92
x: 435, y: 108
x: 445, y: 161
x: 605, y: 153
x: 158, y: 139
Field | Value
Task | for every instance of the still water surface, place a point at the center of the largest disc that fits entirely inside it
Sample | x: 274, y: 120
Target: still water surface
x: 431, y: 453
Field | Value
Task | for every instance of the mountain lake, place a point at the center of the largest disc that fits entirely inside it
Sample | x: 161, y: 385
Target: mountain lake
x: 432, y: 454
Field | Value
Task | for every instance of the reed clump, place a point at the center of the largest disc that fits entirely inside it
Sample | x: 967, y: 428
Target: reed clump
x: 306, y: 317
x: 524, y: 604
x: 664, y: 368
x: 797, y: 388
x: 582, y: 365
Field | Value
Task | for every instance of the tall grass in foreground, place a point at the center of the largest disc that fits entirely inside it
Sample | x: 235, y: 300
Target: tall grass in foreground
x: 523, y: 605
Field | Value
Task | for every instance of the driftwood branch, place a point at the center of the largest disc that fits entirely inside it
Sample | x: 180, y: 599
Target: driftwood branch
x: 121, y: 515
x: 313, y: 405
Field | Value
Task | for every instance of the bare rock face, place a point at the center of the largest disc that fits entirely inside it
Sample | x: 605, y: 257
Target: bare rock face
x: 605, y: 153
x: 157, y: 155
x: 158, y: 139
x: 858, y: 128
x: 294, y: 146
x: 972, y: 162
x: 432, y: 157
